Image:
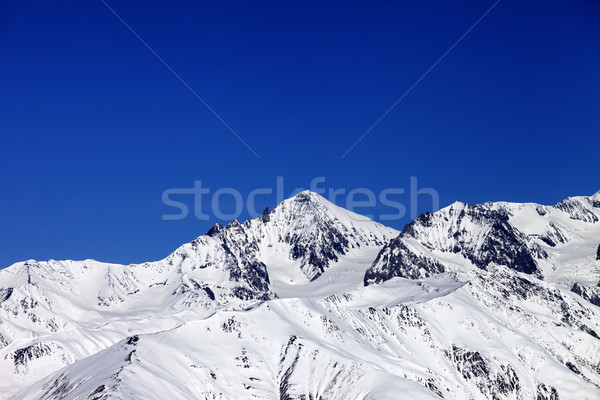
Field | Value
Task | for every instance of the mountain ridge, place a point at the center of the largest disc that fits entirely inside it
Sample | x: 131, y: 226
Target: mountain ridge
x: 336, y: 278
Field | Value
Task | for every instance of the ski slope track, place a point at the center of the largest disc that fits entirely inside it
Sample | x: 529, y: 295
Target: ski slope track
x: 311, y: 301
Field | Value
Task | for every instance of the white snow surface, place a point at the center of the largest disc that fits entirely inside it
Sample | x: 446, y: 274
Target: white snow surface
x: 278, y: 308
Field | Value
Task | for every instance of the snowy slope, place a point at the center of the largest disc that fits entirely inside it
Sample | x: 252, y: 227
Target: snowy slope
x: 491, y: 301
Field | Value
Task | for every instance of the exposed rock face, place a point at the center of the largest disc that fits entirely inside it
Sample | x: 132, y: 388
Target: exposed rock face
x: 401, y: 261
x: 493, y: 382
x: 22, y: 356
x: 546, y: 393
x: 265, y: 216
x: 480, y: 234
x: 241, y: 249
x: 590, y: 293
x: 578, y: 209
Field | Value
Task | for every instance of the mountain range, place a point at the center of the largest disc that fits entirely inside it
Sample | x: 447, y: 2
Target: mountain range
x: 311, y: 301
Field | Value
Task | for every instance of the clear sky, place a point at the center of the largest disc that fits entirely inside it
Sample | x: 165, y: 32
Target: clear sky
x: 93, y: 127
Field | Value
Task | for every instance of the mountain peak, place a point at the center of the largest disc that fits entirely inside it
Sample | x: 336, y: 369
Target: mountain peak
x: 308, y: 205
x: 306, y: 192
x: 307, y: 196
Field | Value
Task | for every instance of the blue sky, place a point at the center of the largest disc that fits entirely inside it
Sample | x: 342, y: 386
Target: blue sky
x: 93, y: 128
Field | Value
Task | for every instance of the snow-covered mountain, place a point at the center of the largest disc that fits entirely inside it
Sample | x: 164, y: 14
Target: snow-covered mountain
x: 311, y: 301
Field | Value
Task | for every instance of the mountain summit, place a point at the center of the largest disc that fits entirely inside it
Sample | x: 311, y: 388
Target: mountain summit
x: 309, y: 300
